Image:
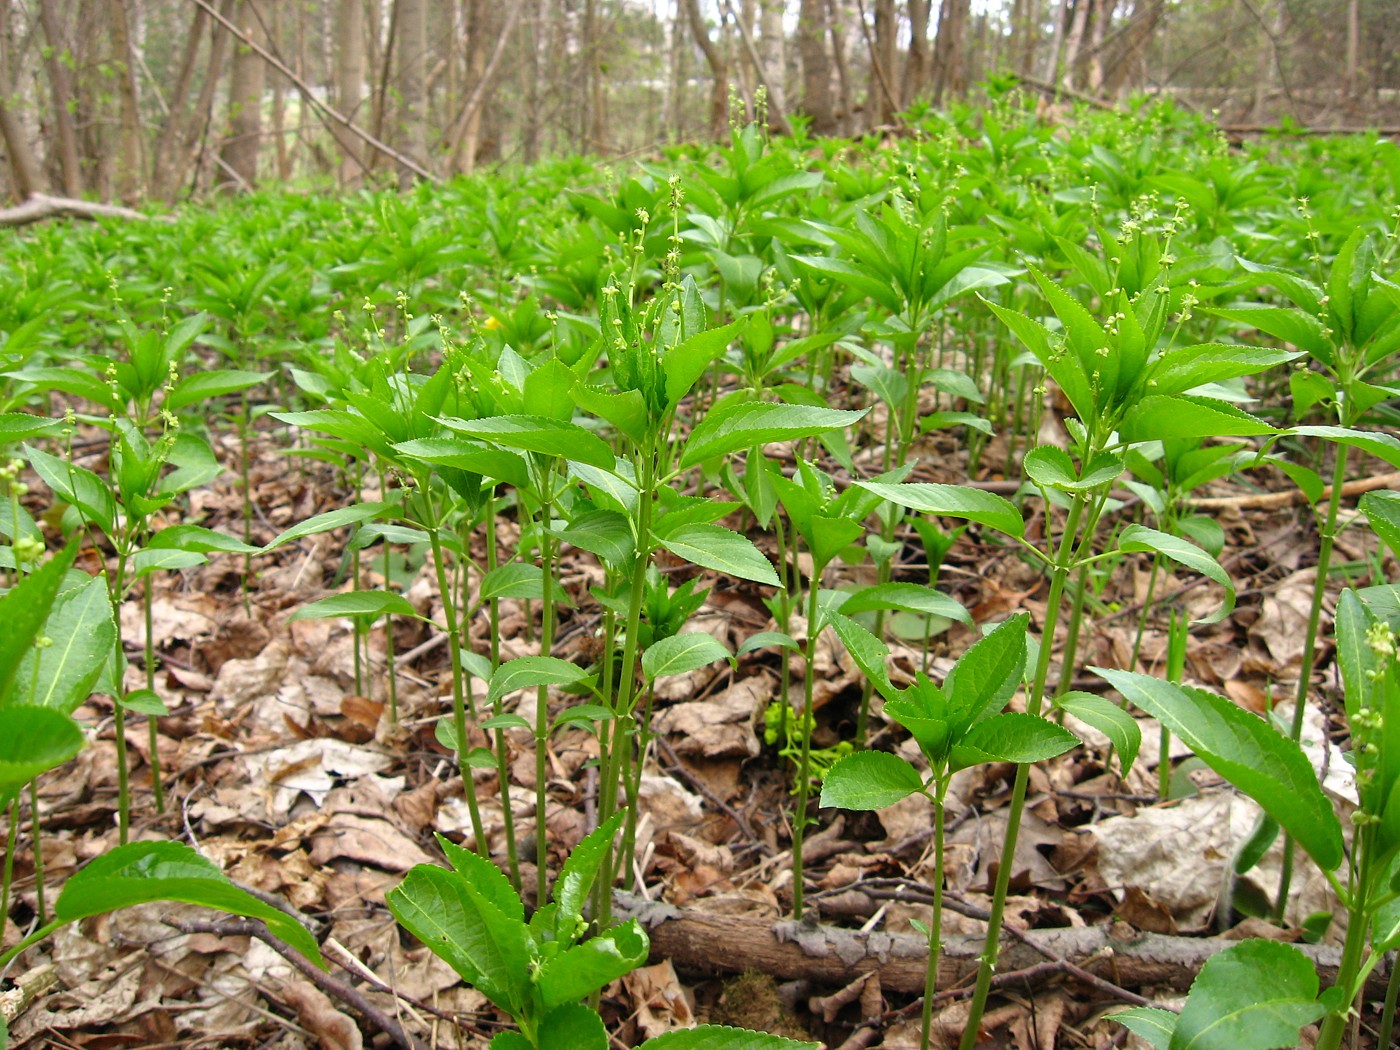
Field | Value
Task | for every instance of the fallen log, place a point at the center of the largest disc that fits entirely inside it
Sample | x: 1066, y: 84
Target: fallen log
x: 714, y: 944
x: 39, y: 206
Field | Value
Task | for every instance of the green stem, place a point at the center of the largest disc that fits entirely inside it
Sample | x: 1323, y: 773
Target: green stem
x: 118, y: 711
x: 935, y: 929
x: 151, y: 726
x: 542, y: 696
x: 502, y: 745
x: 1353, y: 950
x: 987, y: 965
x: 11, y: 841
x: 623, y: 701
x: 459, y: 710
x: 1324, y: 560
x: 34, y: 938
x: 1392, y: 992
x: 804, y: 732
x: 36, y: 834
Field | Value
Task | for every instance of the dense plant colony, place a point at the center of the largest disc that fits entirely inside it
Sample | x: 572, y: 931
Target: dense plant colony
x: 789, y: 362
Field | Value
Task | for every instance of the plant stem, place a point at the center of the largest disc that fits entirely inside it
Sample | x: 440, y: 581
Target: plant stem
x: 11, y: 841
x: 1326, y: 537
x: 1392, y: 992
x: 118, y: 711
x: 37, y: 835
x: 935, y: 929
x: 34, y: 938
x: 459, y: 710
x: 1354, y: 948
x: 152, y: 727
x: 804, y: 732
x: 1064, y: 561
x: 502, y: 745
x: 542, y: 695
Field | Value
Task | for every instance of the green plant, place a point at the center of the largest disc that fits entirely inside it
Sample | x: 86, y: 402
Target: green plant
x: 539, y: 969
x: 958, y: 725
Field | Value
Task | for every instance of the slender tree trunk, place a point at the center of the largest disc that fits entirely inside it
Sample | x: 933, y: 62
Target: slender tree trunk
x: 719, y: 67
x: 816, y: 66
x: 883, y: 66
x: 530, y: 135
x: 169, y: 141
x: 131, y: 153
x: 836, y: 21
x: 1102, y: 15
x: 1069, y: 77
x: 56, y: 57
x: 240, y: 149
x: 1352, y: 84
x: 949, y: 50
x: 1051, y: 73
x: 1129, y: 65
x: 350, y: 86
x: 413, y: 50
x: 279, y: 101
x: 916, y: 65
x: 596, y: 139
x: 772, y: 54
x: 1023, y: 37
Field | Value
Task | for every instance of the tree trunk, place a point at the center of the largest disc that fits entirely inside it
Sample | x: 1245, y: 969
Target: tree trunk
x: 596, y: 139
x: 1051, y: 73
x: 279, y: 101
x: 241, y: 147
x: 530, y: 135
x: 56, y: 58
x: 131, y: 164
x: 192, y: 146
x: 350, y: 86
x: 1024, y: 33
x: 173, y: 134
x: 949, y: 58
x: 773, y: 58
x: 816, y: 66
x: 24, y: 166
x: 1352, y: 84
x: 1102, y: 15
x: 1073, y: 43
x: 836, y: 20
x: 719, y: 67
x: 883, y: 59
x: 916, y: 64
x: 413, y: 50
x: 1129, y: 65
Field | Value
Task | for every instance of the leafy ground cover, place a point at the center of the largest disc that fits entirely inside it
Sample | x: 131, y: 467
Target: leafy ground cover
x: 825, y: 521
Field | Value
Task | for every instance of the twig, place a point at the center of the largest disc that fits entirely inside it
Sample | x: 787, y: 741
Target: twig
x: 331, y: 986
x: 315, y: 103
x: 1256, y: 500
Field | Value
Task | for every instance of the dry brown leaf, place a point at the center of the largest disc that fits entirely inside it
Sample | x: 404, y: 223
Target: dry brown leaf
x: 658, y: 999
x: 374, y: 842
x: 317, y: 1014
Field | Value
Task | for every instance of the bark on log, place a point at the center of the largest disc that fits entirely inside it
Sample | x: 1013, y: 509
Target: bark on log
x: 39, y: 206
x: 700, y: 942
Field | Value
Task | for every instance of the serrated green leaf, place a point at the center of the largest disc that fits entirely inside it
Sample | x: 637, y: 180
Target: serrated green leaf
x: 200, y: 386
x: 722, y: 1037
x: 80, y: 632
x: 25, y: 607
x: 766, y: 640
x: 198, y: 539
x: 746, y: 425
x: 331, y: 519
x: 1382, y: 510
x: 953, y: 501
x: 1246, y: 751
x: 1013, y: 736
x: 681, y: 653
x: 33, y: 740
x: 869, y: 780
x: 526, y: 671
x: 538, y: 434
x: 1148, y: 1023
x: 584, y: 968
x: 1162, y: 418
x: 1255, y: 995
x: 580, y: 873
x: 723, y: 550
x: 513, y: 580
x: 371, y: 604
x: 1139, y: 538
x: 140, y: 872
x: 572, y: 1026
x: 1108, y: 718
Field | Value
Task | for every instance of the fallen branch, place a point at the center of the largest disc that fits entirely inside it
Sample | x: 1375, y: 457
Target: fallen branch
x: 332, y: 987
x: 701, y: 942
x: 1258, y: 500
x: 39, y: 206
x: 28, y: 987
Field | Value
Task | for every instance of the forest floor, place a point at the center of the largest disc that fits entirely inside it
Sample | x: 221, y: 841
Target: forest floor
x: 302, y: 787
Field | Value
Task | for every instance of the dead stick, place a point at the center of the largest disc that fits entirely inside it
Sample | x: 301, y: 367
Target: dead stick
x: 1286, y: 499
x: 337, y: 989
